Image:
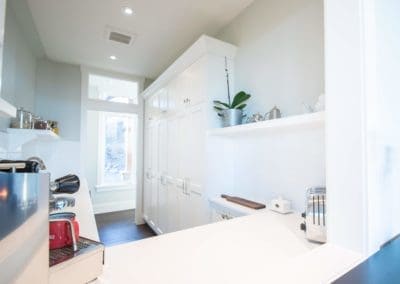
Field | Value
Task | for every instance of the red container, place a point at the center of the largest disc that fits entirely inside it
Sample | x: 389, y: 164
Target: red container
x: 60, y: 230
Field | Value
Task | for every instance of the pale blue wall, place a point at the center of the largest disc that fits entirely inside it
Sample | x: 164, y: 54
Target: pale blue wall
x: 58, y: 96
x: 19, y: 67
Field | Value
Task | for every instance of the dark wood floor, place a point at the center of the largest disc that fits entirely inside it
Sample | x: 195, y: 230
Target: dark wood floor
x: 119, y: 227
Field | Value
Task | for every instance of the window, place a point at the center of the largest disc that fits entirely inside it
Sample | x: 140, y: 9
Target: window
x: 117, y: 149
x: 113, y: 89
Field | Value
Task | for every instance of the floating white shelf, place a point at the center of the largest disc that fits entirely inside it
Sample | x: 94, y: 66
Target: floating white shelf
x: 7, y: 109
x: 35, y: 133
x: 16, y: 138
x: 316, y: 119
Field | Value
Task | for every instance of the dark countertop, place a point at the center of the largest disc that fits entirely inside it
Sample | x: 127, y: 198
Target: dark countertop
x: 382, y: 267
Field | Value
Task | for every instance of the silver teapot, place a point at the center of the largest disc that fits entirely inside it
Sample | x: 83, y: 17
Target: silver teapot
x: 273, y: 114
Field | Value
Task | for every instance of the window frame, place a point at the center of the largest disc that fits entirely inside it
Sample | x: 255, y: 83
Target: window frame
x: 89, y: 104
x: 101, y: 186
x: 115, y: 77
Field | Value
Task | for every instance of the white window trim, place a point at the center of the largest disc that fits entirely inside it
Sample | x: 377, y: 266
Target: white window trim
x: 117, y: 187
x: 100, y: 163
x: 98, y: 105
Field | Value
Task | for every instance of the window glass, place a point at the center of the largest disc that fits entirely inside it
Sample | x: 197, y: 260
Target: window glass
x: 113, y: 89
x: 117, y: 151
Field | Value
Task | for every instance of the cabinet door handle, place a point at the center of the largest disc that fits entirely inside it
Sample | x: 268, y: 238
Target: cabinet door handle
x: 148, y: 175
x: 169, y: 180
x: 180, y: 183
x: 163, y: 180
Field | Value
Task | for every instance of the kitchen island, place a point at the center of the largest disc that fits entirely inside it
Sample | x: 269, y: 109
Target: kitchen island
x: 260, y: 248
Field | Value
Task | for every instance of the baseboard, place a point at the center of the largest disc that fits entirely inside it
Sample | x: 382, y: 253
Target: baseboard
x: 114, y: 206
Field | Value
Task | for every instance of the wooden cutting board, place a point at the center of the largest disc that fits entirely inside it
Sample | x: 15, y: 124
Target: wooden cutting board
x: 244, y: 202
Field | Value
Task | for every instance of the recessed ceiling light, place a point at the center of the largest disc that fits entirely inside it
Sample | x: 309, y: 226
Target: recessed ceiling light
x: 127, y: 11
x: 113, y: 57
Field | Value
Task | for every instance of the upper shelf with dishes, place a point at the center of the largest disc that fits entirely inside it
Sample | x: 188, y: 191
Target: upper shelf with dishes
x: 26, y: 127
x: 309, y: 120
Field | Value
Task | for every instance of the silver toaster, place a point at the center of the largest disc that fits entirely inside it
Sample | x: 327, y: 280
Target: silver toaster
x: 314, y: 224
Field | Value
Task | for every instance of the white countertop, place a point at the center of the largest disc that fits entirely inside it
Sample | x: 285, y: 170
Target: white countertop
x: 253, y: 249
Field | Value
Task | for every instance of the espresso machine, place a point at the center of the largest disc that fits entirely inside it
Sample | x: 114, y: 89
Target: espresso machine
x: 64, y: 228
x: 24, y: 194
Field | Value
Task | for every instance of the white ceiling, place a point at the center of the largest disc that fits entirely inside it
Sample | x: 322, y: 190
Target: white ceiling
x: 72, y: 31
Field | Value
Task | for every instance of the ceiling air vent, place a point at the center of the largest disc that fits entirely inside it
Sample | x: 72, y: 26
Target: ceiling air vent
x: 119, y: 36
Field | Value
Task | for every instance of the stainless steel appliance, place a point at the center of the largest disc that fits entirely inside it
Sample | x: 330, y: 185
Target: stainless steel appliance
x: 24, y: 194
x: 64, y: 228
x: 314, y: 225
x: 70, y: 254
x: 274, y: 113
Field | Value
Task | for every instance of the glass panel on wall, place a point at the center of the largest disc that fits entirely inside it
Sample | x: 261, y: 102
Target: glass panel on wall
x: 113, y: 89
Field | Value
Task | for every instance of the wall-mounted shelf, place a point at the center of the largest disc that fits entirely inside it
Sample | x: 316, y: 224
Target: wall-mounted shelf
x: 36, y: 133
x: 19, y: 137
x: 7, y: 109
x: 308, y: 120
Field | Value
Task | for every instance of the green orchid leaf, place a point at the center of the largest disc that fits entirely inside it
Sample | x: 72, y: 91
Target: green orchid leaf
x: 218, y: 108
x: 221, y: 103
x: 241, y: 107
x: 239, y: 99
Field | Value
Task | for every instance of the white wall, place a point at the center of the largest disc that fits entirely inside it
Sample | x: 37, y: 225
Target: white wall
x: 280, y: 60
x: 284, y: 162
x: 58, y: 96
x: 19, y: 67
x: 60, y: 156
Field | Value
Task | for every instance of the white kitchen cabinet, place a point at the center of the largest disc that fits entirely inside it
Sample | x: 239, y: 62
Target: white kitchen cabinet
x: 193, y: 148
x: 173, y: 157
x: 150, y: 111
x: 150, y: 184
x: 147, y: 175
x: 162, y: 101
x: 179, y: 102
x: 162, y: 207
x: 153, y: 214
x: 195, y: 79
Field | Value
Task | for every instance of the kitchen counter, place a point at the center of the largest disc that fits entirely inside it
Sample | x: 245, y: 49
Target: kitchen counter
x: 253, y: 249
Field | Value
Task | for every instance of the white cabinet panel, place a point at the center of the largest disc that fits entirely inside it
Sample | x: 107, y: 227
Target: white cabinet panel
x: 173, y: 157
x: 174, y: 216
x: 147, y: 174
x: 195, y: 77
x: 162, y: 181
x: 193, y: 156
x: 193, y: 210
x: 154, y: 174
x: 180, y: 95
x: 163, y: 100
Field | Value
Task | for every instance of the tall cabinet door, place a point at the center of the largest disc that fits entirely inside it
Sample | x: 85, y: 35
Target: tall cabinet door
x: 162, y: 224
x: 153, y: 214
x: 174, y: 154
x: 193, y: 157
x: 147, y: 174
x: 195, y: 82
x: 193, y: 132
